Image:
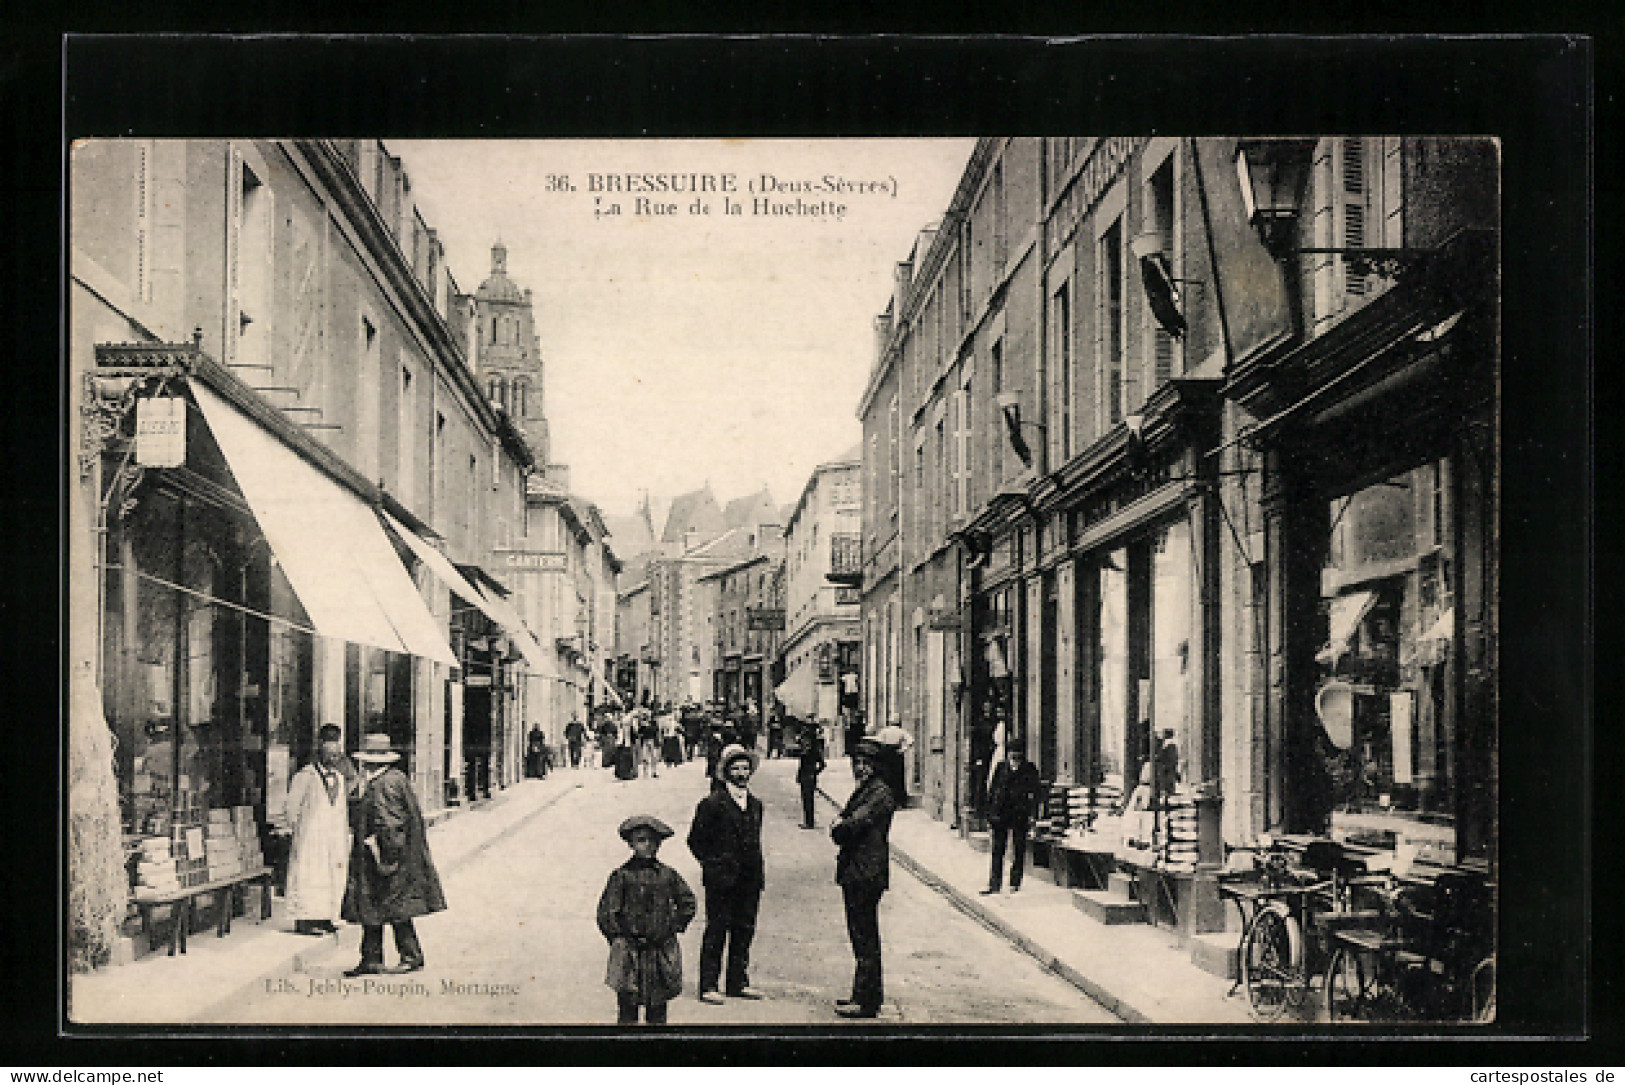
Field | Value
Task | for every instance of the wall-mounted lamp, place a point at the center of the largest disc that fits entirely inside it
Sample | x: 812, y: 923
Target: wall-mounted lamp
x: 1009, y: 404
x: 1271, y: 172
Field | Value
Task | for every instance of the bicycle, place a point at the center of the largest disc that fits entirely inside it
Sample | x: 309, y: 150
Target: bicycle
x: 1287, y: 939
x: 1430, y: 959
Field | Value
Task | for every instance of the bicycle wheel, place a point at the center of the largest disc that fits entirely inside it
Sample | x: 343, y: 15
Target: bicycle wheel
x: 1348, y: 986
x: 1481, y: 992
x: 1272, y: 964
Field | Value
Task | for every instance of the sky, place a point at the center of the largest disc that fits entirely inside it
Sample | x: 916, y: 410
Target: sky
x: 693, y: 346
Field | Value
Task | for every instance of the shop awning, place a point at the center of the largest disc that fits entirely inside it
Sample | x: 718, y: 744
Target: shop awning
x: 1347, y: 612
x: 327, y: 540
x: 503, y: 613
x: 461, y: 587
x: 797, y: 694
x: 607, y: 692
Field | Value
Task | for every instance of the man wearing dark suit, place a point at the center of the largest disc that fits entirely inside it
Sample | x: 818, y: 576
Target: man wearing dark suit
x: 863, y: 871
x: 1012, y: 796
x: 726, y: 837
x: 392, y: 878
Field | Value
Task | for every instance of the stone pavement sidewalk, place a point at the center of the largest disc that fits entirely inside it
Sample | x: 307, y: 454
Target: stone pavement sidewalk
x: 158, y: 988
x: 1139, y: 972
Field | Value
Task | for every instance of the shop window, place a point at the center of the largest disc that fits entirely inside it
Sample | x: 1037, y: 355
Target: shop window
x: 1387, y: 727
x: 1112, y: 681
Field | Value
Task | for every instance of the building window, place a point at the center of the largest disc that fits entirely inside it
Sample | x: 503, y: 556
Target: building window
x: 405, y: 430
x: 1109, y: 260
x: 1061, y: 337
x: 1162, y: 361
x: 521, y: 392
x: 496, y: 392
x: 1383, y: 687
x: 996, y: 438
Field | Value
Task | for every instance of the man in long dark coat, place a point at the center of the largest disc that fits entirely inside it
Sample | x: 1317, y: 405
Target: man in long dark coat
x: 863, y: 870
x: 392, y: 879
x: 726, y: 837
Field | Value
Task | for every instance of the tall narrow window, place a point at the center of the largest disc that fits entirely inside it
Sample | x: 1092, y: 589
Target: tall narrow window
x: 1000, y: 226
x: 1110, y: 263
x: 1162, y: 362
x: 249, y: 320
x: 996, y: 438
x: 895, y: 460
x: 521, y: 389
x: 1061, y: 333
x: 405, y: 432
x: 368, y: 393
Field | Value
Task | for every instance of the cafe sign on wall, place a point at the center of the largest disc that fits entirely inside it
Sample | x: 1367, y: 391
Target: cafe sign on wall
x: 542, y: 561
x: 160, y: 431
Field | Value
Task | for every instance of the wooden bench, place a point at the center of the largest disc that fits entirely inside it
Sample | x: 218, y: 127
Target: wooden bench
x: 185, y: 901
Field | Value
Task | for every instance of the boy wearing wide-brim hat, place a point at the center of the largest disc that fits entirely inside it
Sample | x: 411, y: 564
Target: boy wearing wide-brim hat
x: 644, y: 907
x: 392, y: 879
x: 726, y: 837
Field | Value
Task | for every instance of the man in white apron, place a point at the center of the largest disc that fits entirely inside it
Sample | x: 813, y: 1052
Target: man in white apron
x: 318, y: 813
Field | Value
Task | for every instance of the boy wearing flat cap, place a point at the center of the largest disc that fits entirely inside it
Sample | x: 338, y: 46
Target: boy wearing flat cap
x: 726, y: 837
x: 644, y: 907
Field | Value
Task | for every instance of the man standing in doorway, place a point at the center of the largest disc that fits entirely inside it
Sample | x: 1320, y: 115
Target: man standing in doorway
x: 319, y: 815
x: 726, y: 837
x: 1012, y: 797
x: 863, y: 870
x: 392, y: 879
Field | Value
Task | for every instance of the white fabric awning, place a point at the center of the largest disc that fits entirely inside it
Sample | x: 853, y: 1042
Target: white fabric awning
x: 327, y: 540
x: 442, y: 567
x: 796, y: 692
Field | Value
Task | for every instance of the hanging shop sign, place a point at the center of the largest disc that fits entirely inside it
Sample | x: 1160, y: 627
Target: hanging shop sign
x: 160, y: 431
x: 944, y: 618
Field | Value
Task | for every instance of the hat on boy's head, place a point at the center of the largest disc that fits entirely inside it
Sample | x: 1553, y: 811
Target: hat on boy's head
x: 867, y: 748
x: 731, y: 753
x: 644, y: 821
x: 376, y: 747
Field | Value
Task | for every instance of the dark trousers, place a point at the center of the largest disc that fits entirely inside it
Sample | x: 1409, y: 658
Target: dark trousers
x: 730, y: 916
x: 575, y: 755
x: 1016, y: 832
x: 863, y: 928
x: 406, y: 943
x: 655, y: 1013
x: 809, y: 789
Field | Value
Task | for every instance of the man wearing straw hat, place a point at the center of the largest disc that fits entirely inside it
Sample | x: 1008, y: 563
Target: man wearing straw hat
x: 392, y: 879
x: 726, y: 837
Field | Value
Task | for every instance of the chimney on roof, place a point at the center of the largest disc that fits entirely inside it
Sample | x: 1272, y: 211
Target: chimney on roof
x: 883, y: 327
x: 902, y: 274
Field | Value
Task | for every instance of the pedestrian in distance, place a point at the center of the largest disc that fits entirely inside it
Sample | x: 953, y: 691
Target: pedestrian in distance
x: 392, y: 877
x: 536, y: 753
x: 1012, y: 800
x: 648, y: 739
x: 645, y: 905
x: 574, y: 733
x: 607, y: 731
x: 726, y: 837
x: 894, y: 742
x: 812, y: 763
x: 863, y: 869
x: 319, y: 818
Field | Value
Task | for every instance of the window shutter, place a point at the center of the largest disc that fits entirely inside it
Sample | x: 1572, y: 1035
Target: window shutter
x: 1353, y: 170
x: 234, y: 229
x: 143, y: 222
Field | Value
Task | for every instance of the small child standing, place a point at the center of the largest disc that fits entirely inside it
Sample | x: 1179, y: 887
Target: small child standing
x: 644, y: 907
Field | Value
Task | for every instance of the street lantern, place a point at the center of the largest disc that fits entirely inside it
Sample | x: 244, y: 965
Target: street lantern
x: 1271, y: 172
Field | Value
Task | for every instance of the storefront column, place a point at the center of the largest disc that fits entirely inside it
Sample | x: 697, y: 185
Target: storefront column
x: 1207, y: 910
x: 424, y: 723
x: 329, y: 681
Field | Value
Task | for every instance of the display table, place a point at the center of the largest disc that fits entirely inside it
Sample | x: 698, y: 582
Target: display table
x: 185, y: 901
